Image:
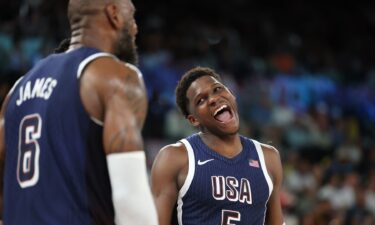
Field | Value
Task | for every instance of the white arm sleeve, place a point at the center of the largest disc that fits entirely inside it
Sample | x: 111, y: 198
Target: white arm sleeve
x: 131, y: 194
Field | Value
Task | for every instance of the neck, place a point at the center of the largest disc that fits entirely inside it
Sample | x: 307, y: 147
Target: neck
x: 88, y: 32
x: 228, y: 145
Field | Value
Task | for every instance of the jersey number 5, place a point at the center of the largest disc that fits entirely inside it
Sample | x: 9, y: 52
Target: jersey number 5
x: 228, y: 216
x: 29, y: 150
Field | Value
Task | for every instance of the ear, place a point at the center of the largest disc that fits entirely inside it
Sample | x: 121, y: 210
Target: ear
x: 193, y: 121
x: 113, y: 15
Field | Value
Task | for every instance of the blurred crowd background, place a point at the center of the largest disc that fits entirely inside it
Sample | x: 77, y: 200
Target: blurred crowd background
x: 303, y: 73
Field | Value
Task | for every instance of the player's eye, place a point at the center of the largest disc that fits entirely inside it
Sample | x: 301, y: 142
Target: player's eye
x: 200, y: 101
x: 218, y: 88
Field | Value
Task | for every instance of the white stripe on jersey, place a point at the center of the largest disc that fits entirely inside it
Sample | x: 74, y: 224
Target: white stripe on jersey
x: 263, y: 165
x: 15, y: 85
x: 135, y: 69
x: 189, y: 179
x: 98, y: 122
x: 86, y: 61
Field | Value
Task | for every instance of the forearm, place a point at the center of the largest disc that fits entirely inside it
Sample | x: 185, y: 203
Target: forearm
x: 164, y: 209
x: 131, y: 194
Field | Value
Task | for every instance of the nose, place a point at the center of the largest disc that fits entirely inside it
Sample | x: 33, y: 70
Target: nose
x: 213, y: 99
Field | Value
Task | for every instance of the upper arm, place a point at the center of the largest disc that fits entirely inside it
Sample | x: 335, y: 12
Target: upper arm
x: 114, y: 93
x: 167, y: 167
x: 274, y: 167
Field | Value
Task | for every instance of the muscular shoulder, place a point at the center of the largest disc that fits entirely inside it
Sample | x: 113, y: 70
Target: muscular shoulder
x: 107, y: 69
x: 107, y: 83
x: 273, y: 162
x: 172, y: 157
x: 175, y: 153
x: 270, y: 152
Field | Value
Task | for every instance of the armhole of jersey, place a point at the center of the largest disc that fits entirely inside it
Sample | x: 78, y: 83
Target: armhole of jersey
x: 83, y: 65
x: 14, y: 86
x: 188, y: 180
x: 86, y: 61
x: 131, y: 66
x: 6, y: 100
x: 264, y: 167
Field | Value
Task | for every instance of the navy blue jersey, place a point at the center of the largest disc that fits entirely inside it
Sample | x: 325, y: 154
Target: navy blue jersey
x: 55, y: 168
x: 223, y: 191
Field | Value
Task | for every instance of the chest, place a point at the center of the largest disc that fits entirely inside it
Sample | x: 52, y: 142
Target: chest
x: 220, y: 182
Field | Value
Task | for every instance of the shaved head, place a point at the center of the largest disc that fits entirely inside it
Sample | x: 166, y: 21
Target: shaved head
x: 79, y: 8
x: 109, y: 19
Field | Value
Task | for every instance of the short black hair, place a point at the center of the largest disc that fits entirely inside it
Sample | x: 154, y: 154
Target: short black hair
x: 186, y: 80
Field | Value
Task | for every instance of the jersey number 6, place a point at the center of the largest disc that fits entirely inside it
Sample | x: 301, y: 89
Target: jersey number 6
x: 29, y: 150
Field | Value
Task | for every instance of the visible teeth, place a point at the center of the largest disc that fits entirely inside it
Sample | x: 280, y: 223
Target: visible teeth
x: 221, y: 108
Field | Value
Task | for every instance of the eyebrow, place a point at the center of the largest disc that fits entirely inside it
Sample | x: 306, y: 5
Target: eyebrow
x: 212, y: 85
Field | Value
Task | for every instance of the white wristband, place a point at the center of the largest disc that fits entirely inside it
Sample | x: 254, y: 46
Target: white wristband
x: 131, y: 194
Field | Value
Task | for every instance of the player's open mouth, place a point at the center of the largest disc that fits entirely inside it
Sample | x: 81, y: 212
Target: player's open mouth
x: 223, y: 114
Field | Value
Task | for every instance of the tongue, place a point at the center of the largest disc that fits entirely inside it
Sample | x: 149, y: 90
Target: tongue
x: 223, y: 117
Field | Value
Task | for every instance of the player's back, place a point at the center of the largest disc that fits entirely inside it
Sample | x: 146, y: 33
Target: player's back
x: 55, y: 168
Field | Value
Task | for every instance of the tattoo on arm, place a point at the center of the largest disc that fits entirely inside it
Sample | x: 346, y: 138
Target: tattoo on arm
x: 128, y: 105
x: 118, y: 141
x: 136, y: 98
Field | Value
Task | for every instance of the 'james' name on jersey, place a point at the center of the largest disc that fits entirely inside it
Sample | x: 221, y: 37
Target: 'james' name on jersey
x: 41, y: 88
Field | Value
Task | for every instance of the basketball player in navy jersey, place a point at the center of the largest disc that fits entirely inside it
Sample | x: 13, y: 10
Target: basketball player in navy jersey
x: 70, y: 129
x: 216, y: 177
